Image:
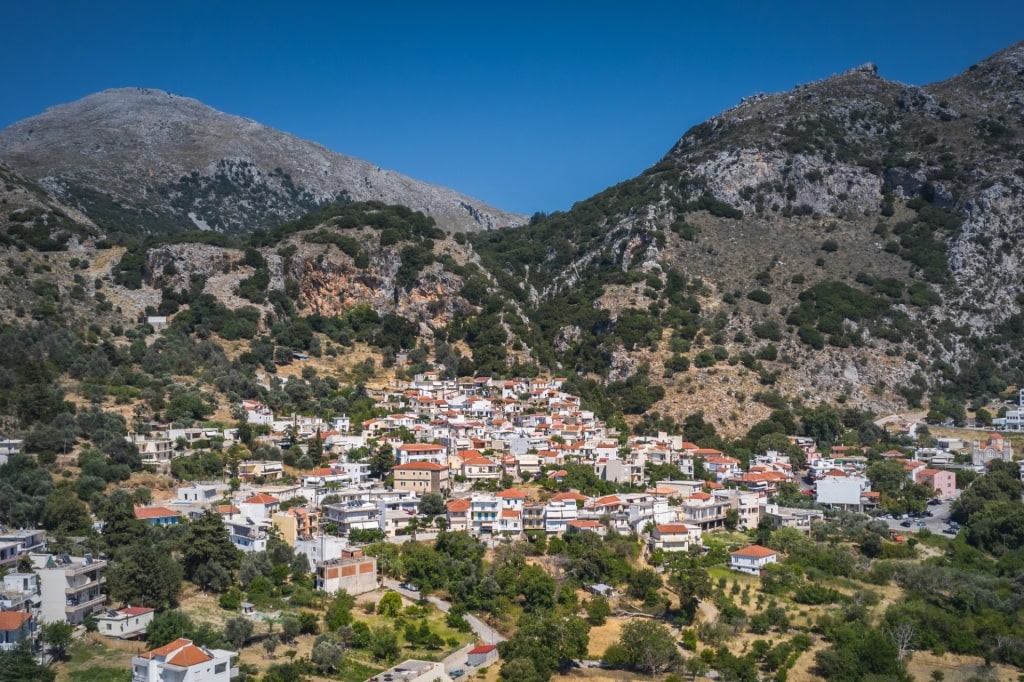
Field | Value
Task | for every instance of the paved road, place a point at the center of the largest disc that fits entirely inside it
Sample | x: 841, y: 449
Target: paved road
x: 484, y: 632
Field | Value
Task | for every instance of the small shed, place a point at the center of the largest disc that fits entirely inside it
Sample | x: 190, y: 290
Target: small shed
x: 484, y: 654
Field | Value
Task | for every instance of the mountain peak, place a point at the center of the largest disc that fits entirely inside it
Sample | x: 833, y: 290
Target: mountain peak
x: 190, y: 166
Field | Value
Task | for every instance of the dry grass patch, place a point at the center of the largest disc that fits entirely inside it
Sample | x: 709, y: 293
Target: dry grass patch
x: 957, y: 668
x: 603, y: 636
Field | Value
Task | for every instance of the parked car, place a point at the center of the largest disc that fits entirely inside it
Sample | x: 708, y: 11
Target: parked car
x: 458, y: 672
x: 934, y: 503
x: 410, y: 587
x: 905, y: 524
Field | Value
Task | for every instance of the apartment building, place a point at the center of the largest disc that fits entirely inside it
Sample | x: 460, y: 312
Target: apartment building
x: 422, y: 477
x: 70, y: 588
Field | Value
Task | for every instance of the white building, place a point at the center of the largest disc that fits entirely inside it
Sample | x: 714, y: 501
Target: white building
x: 20, y: 592
x: 675, y: 537
x: 125, y: 623
x: 13, y: 545
x: 752, y: 559
x: 70, y: 588
x: 843, y: 492
x: 413, y: 671
x: 183, y: 661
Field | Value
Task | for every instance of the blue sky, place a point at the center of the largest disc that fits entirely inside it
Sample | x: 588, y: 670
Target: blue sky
x: 528, y: 106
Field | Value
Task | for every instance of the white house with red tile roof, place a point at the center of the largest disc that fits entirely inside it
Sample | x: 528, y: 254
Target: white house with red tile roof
x: 675, y: 537
x: 259, y: 506
x: 510, y: 522
x: 480, y: 468
x: 482, y: 655
x: 257, y: 413
x: 183, y: 661
x: 15, y: 626
x: 722, y: 466
x: 457, y: 514
x: 512, y: 497
x: 609, y: 504
x: 586, y: 526
x: 752, y: 559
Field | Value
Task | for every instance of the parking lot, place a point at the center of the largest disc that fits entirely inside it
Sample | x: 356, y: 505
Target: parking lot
x: 937, y: 523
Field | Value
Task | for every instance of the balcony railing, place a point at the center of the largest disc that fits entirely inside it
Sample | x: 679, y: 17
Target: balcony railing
x: 83, y: 604
x: 102, y: 580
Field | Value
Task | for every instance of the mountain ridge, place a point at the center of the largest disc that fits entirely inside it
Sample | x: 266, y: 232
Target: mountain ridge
x: 176, y: 156
x: 853, y: 240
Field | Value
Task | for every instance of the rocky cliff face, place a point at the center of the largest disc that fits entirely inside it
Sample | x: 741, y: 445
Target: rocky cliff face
x: 141, y: 160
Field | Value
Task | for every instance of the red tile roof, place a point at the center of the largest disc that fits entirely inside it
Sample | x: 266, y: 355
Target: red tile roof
x: 754, y: 552
x: 511, y: 494
x: 571, y: 495
x: 188, y: 656
x: 482, y: 649
x: 13, y: 620
x: 420, y: 447
x: 143, y: 513
x: 673, y: 528
x: 458, y: 505
x: 261, y: 498
x: 421, y: 466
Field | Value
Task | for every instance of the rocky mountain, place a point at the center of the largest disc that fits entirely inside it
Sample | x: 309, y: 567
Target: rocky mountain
x: 854, y: 240
x: 143, y: 161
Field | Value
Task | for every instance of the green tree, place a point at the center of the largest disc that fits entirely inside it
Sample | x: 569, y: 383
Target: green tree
x: 57, y: 636
x: 648, y: 644
x: 64, y: 513
x: 598, y: 609
x: 537, y: 588
x: 384, y: 645
x: 121, y: 529
x: 823, y: 423
x: 381, y: 461
x: 339, y: 612
x: 550, y: 641
x: 145, y: 574
x: 689, y: 581
x: 390, y: 604
x: 206, y: 544
x: 270, y: 644
x: 238, y: 630
x: 431, y: 504
x: 326, y: 655
x: 19, y: 664
x: 167, y: 627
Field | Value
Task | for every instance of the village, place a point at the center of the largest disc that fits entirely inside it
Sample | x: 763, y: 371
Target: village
x: 488, y: 457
